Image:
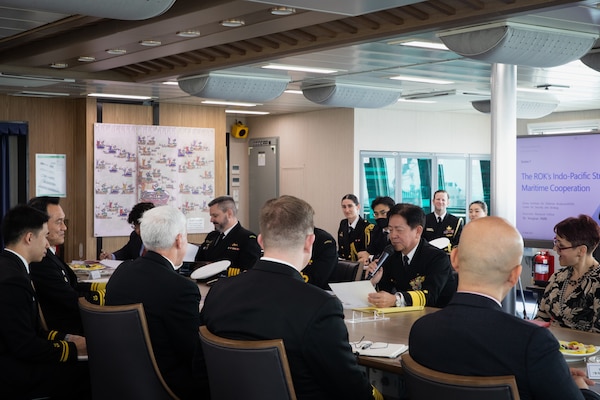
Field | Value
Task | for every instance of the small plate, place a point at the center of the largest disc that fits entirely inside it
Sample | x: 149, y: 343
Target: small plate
x: 211, y: 269
x: 87, y: 267
x: 570, y: 357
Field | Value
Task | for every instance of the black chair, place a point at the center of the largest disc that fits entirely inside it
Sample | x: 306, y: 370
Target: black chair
x: 121, y: 360
x: 346, y: 271
x: 423, y: 383
x: 260, y: 368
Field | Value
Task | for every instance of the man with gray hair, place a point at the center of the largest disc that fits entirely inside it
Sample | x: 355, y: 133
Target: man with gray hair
x: 171, y: 301
x: 272, y: 301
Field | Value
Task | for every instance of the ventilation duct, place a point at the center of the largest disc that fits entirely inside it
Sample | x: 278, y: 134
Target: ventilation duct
x: 526, y: 109
x: 114, y: 9
x: 592, y: 59
x: 351, y: 96
x: 564, y: 127
x: 235, y: 87
x: 31, y: 81
x: 519, y: 44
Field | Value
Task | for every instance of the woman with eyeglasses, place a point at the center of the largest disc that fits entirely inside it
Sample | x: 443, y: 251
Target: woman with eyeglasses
x: 572, y: 297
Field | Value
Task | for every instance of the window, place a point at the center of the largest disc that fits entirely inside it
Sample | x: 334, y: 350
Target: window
x: 413, y: 178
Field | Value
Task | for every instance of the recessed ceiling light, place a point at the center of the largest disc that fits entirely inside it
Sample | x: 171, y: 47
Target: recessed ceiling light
x: 283, y: 10
x: 300, y: 68
x: 86, y: 59
x: 292, y: 91
x: 29, y: 93
x: 421, y: 80
x: 150, y: 43
x: 116, y: 52
x: 190, y: 33
x: 415, y: 101
x: 247, y: 112
x: 233, y: 22
x: 119, y: 96
x: 230, y: 103
x: 420, y: 43
x: 59, y: 65
x: 170, y: 83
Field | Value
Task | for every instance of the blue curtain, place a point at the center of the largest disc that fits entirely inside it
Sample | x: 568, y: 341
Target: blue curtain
x: 7, y: 129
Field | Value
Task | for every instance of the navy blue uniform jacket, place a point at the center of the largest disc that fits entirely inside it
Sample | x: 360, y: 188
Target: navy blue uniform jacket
x: 271, y: 301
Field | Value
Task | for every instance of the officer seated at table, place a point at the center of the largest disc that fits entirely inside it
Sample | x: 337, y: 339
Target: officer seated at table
x: 229, y: 241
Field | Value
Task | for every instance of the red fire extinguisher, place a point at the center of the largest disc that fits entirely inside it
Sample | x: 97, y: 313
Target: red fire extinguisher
x: 543, y: 267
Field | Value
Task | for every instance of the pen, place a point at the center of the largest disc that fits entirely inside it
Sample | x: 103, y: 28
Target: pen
x: 365, y: 346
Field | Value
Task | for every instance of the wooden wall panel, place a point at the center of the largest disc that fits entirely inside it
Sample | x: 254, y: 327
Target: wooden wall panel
x: 52, y: 130
x: 65, y: 126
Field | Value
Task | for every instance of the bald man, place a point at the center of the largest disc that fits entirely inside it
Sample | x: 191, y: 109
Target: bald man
x: 485, y: 340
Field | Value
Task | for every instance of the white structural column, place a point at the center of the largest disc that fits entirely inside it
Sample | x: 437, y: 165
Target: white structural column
x: 504, y: 151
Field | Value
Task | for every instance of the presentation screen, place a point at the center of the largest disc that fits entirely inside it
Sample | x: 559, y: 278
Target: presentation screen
x: 558, y: 176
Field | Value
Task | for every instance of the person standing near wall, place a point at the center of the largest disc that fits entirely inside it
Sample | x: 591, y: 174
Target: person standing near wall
x: 441, y: 223
x: 354, y: 233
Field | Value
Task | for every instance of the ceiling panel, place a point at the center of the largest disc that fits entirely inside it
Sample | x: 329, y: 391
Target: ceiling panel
x: 362, y: 46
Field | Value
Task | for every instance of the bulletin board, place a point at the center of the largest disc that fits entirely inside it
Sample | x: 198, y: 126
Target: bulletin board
x: 158, y: 164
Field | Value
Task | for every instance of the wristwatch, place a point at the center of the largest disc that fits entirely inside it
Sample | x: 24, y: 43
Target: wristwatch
x: 398, y: 300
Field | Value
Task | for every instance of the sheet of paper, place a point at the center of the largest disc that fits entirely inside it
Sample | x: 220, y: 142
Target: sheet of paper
x: 111, y: 263
x: 353, y: 294
x: 378, y: 349
x: 190, y: 252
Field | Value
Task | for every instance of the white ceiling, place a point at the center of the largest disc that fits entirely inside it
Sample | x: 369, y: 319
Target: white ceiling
x: 363, y: 48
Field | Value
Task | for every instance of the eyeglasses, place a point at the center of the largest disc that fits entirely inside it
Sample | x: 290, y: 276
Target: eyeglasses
x: 559, y: 248
x: 363, y: 344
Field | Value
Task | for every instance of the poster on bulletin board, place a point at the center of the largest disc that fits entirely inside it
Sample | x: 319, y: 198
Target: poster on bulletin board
x: 51, y: 175
x: 149, y: 163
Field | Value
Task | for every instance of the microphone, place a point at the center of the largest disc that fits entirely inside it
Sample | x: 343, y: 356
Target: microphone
x: 387, y: 251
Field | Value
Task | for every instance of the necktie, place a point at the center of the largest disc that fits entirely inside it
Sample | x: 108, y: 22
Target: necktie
x: 405, y: 259
x: 350, y: 229
x: 218, y: 239
x: 439, y: 220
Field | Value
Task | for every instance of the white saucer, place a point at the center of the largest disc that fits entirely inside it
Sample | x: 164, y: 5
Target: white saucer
x: 211, y: 269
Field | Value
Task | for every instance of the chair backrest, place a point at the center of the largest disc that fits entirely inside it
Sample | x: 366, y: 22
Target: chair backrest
x: 120, y: 356
x: 246, y: 369
x: 346, y: 271
x: 423, y: 383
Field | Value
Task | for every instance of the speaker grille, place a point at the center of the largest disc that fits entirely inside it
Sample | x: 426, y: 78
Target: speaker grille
x: 351, y: 96
x: 519, y: 44
x: 234, y: 88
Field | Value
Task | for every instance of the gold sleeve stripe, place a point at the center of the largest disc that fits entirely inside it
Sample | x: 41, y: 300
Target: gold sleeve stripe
x: 418, y: 297
x: 376, y: 394
x: 98, y: 286
x: 65, y: 351
x: 233, y: 271
x: 97, y: 297
x: 52, y: 335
